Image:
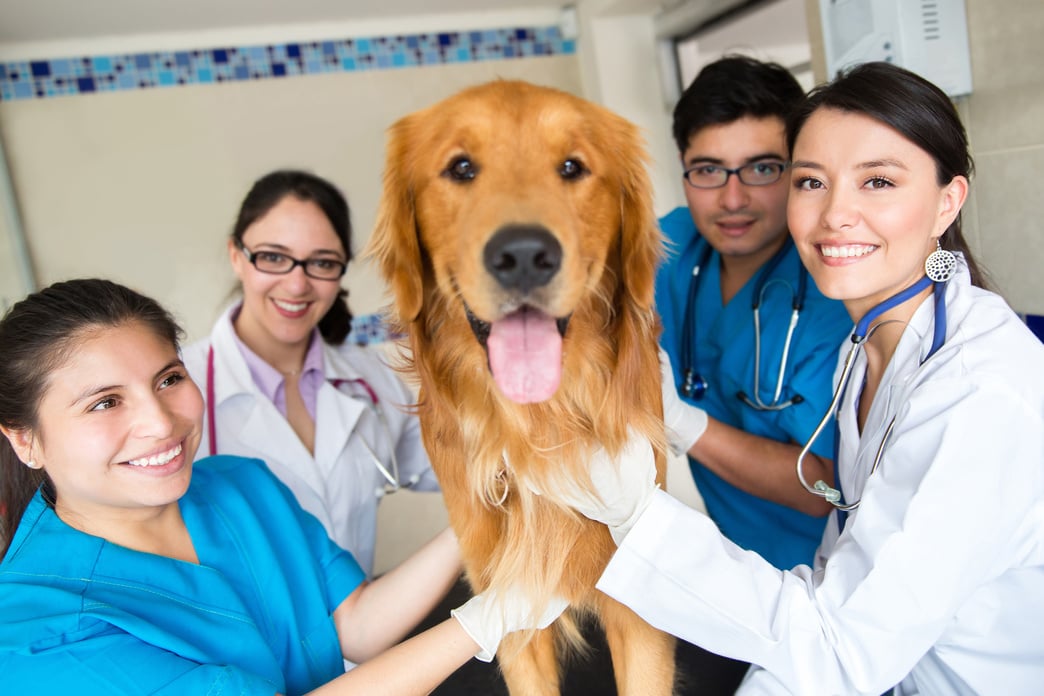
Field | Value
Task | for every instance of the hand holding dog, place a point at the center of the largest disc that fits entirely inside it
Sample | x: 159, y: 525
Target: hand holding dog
x: 685, y: 423
x: 488, y: 617
x: 620, y: 490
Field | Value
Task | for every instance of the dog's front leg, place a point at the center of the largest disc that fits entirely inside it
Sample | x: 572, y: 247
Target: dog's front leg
x: 643, y: 657
x: 533, y: 670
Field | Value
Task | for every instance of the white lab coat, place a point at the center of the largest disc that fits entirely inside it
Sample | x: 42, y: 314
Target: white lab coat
x: 338, y: 485
x: 936, y: 584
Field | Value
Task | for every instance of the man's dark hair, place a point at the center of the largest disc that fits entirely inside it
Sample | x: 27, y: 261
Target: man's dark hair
x: 730, y: 89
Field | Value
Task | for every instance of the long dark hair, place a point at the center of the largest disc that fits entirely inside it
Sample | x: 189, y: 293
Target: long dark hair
x: 911, y: 106
x: 37, y: 337
x: 272, y: 188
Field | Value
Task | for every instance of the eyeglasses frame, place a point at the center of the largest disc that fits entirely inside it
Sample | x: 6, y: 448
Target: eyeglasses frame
x: 783, y: 166
x: 251, y: 256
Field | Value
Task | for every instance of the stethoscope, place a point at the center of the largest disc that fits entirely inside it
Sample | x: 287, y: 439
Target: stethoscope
x: 391, y: 478
x: 694, y: 386
x: 862, y: 333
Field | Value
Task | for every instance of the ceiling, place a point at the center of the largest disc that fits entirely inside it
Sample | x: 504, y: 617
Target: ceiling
x: 25, y: 21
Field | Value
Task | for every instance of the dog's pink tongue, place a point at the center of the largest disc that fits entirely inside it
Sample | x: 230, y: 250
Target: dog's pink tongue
x: 525, y: 355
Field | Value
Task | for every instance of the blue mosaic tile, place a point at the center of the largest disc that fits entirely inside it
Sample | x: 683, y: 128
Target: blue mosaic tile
x: 40, y: 79
x: 371, y: 329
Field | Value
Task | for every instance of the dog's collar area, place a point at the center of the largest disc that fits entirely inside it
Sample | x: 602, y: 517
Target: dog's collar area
x: 482, y: 328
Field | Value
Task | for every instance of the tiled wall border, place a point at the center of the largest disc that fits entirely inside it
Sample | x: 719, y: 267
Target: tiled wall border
x: 43, y: 79
x: 370, y: 329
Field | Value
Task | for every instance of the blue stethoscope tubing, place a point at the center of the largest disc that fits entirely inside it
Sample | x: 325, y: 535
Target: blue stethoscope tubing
x: 863, y: 331
x: 693, y: 384
x: 391, y: 477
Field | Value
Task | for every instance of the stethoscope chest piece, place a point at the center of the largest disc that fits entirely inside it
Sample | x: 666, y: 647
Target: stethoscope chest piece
x: 694, y: 386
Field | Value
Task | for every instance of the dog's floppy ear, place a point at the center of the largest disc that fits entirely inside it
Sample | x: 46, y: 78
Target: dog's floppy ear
x: 395, y: 243
x: 641, y: 244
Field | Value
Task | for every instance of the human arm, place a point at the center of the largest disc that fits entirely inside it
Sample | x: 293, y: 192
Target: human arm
x: 415, y: 666
x: 380, y: 613
x: 758, y: 465
x: 931, y: 531
x: 763, y: 467
x: 418, y: 665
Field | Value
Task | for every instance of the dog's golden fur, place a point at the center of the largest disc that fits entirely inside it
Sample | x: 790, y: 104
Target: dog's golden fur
x: 539, y: 157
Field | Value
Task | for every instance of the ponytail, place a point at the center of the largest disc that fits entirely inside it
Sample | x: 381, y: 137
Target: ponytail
x: 336, y: 324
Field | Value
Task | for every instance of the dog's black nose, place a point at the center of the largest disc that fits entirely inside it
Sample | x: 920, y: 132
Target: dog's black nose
x: 523, y: 257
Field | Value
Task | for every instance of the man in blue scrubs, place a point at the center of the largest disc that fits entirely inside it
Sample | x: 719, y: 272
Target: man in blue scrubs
x: 729, y: 126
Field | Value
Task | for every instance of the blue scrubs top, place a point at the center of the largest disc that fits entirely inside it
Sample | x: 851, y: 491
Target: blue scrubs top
x: 85, y: 616
x: 724, y: 356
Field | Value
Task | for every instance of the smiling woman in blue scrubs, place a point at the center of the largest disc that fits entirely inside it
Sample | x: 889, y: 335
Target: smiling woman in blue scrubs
x: 129, y: 570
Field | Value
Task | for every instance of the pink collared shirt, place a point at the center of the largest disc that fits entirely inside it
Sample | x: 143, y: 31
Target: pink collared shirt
x: 272, y: 383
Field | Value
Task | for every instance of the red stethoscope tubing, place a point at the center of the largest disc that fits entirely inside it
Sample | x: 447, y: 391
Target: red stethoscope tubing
x: 212, y: 420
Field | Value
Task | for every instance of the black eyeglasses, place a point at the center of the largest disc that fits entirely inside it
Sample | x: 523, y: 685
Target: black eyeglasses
x: 281, y: 264
x: 712, y: 176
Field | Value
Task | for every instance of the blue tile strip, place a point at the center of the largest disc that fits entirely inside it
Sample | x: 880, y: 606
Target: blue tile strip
x: 369, y: 329
x: 42, y: 79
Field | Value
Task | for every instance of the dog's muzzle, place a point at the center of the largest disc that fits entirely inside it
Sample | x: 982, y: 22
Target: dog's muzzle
x: 524, y: 345
x: 522, y: 257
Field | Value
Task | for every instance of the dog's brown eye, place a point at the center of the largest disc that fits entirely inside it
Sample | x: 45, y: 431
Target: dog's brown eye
x: 461, y: 169
x: 572, y: 169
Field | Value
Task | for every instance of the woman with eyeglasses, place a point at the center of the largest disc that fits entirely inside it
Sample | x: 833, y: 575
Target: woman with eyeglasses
x: 281, y: 384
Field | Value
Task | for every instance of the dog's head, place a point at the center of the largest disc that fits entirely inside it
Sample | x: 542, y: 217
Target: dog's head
x: 513, y: 205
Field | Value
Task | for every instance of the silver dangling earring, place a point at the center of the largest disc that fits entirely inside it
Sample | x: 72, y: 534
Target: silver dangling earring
x: 940, y: 264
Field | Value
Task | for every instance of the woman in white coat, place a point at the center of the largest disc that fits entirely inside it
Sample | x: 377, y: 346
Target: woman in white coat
x: 280, y: 384
x: 932, y: 582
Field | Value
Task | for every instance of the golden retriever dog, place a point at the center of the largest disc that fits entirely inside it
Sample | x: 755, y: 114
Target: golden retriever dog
x: 517, y: 235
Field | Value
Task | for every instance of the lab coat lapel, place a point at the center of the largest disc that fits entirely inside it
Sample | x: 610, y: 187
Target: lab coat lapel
x: 905, y: 362
x: 271, y: 434
x: 336, y: 413
x: 258, y: 424
x: 231, y: 374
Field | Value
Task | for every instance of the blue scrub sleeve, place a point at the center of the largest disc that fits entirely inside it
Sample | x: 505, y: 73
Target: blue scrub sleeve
x: 115, y: 663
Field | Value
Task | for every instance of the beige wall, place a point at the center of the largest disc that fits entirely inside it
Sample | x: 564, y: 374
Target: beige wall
x: 1005, y: 120
x: 1004, y: 117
